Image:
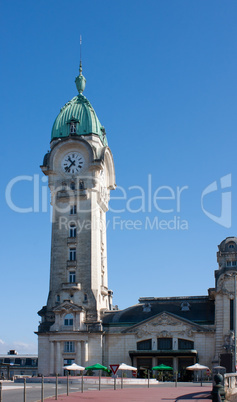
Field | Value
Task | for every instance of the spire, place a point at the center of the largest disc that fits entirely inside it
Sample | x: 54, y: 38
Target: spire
x: 80, y: 79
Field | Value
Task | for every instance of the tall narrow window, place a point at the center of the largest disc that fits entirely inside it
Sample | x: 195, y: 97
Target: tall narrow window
x: 69, y: 347
x: 68, y: 320
x: 81, y: 185
x: 73, y: 210
x: 231, y: 315
x: 72, y: 254
x: 72, y: 277
x: 72, y: 185
x: 73, y: 128
x: 73, y: 230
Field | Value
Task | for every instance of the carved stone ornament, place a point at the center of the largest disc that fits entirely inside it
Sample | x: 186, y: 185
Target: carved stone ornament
x: 164, y: 334
x: 225, y: 285
x: 189, y: 332
x: 143, y: 333
x: 165, y: 319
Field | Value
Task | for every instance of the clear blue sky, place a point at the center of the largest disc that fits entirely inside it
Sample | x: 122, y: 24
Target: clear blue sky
x: 161, y: 76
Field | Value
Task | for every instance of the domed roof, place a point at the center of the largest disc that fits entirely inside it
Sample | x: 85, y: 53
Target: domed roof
x: 225, y: 244
x: 79, y: 113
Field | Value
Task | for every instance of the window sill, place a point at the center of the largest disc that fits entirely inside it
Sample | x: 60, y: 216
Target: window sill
x: 71, y: 286
x: 71, y: 263
x: 71, y: 240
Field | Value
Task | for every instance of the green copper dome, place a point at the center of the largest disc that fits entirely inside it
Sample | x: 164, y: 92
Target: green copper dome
x: 78, y: 117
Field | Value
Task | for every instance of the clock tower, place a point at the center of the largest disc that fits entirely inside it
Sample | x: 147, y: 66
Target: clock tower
x: 80, y: 172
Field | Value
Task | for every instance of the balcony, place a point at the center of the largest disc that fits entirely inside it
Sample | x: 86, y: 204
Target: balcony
x: 71, y: 286
x: 72, y: 241
x: 71, y: 264
x: 71, y: 194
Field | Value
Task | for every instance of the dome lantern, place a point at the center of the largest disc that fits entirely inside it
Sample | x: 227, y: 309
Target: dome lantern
x: 80, y: 112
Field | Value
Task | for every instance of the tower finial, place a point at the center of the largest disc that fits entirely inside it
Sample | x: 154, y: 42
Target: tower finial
x: 80, y: 69
x: 80, y: 79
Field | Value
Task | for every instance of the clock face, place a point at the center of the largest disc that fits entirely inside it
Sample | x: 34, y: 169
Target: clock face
x: 73, y: 163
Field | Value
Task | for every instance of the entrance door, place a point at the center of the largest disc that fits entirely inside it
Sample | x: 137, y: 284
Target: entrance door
x: 183, y: 374
x: 143, y: 363
x: 226, y: 361
x: 166, y: 375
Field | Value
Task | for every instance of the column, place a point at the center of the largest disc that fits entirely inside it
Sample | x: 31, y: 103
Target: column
x: 51, y: 358
x: 78, y: 353
x: 175, y: 364
x: 84, y: 353
x: 58, y: 358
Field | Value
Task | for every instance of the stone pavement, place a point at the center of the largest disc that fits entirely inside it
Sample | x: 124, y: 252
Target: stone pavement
x: 154, y: 394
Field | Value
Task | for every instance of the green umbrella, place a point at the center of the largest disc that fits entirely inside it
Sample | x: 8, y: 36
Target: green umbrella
x: 162, y: 367
x: 98, y: 366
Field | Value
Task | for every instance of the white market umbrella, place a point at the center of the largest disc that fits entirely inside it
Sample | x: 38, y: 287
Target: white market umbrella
x: 197, y: 367
x: 124, y: 366
x: 74, y: 367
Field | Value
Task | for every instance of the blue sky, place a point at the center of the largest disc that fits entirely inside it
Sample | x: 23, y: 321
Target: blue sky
x: 161, y: 76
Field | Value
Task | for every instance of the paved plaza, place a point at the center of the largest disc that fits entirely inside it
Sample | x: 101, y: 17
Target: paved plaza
x: 165, y: 394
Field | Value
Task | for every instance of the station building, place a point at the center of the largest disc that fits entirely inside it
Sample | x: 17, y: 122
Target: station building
x: 79, y: 323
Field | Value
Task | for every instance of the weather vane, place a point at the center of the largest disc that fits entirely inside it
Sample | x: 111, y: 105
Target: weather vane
x: 80, y: 46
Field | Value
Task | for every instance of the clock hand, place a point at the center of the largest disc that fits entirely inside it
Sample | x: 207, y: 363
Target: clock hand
x: 67, y: 168
x: 72, y: 163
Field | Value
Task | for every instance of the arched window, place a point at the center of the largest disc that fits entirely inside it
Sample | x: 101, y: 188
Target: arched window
x: 164, y: 343
x: 185, y: 344
x: 144, y: 345
x: 68, y: 320
x: 81, y: 185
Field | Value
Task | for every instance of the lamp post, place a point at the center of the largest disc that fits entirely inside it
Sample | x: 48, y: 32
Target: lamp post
x: 232, y: 346
x: 235, y: 320
x: 234, y: 274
